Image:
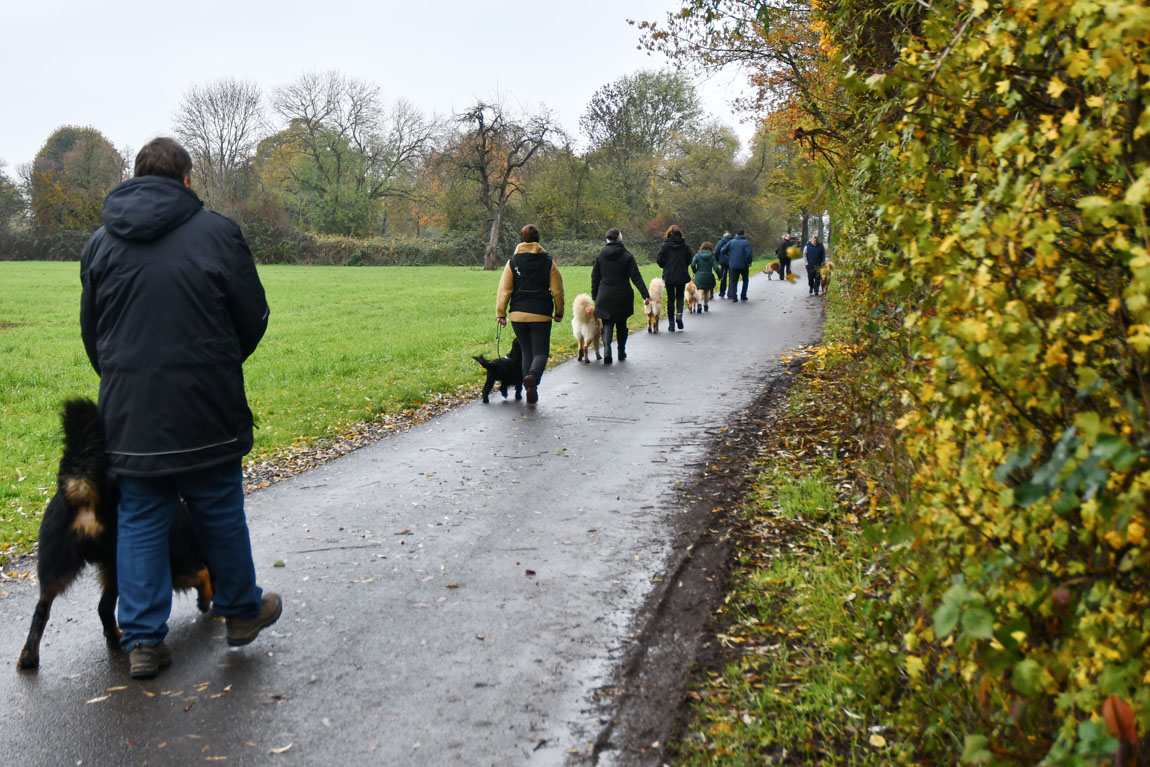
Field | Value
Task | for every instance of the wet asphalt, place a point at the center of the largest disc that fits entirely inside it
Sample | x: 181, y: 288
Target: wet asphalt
x: 453, y: 595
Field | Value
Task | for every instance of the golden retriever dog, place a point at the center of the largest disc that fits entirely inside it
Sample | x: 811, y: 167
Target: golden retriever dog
x: 772, y: 269
x: 827, y: 269
x: 655, y: 308
x: 586, y: 328
x: 691, y: 297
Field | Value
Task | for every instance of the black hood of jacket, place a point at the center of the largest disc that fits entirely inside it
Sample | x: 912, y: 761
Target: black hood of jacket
x: 146, y: 208
x: 613, y: 251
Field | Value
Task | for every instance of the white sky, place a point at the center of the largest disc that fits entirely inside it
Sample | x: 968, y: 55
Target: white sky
x: 122, y: 66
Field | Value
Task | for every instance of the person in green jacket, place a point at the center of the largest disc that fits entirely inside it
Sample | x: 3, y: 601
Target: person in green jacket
x: 706, y: 270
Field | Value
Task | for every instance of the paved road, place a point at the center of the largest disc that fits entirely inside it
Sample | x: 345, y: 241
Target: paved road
x: 454, y: 595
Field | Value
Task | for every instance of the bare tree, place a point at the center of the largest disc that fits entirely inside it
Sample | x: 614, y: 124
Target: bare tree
x: 349, y: 139
x: 220, y: 124
x: 492, y: 151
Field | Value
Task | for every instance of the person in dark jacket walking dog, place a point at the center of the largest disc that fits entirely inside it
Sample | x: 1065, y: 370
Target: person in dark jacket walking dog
x: 171, y: 307
x: 739, y: 253
x: 724, y: 262
x: 675, y: 258
x: 611, y: 277
x: 816, y: 256
x: 783, y: 253
x: 532, y: 289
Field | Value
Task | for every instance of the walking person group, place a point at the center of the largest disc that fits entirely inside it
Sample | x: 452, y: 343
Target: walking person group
x: 531, y: 288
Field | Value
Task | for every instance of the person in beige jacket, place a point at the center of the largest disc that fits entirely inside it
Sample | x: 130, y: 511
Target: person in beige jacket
x: 531, y: 288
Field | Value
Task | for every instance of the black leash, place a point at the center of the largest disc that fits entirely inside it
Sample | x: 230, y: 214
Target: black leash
x: 498, y: 332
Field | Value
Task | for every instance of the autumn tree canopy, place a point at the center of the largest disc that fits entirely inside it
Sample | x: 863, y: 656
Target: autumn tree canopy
x: 71, y: 174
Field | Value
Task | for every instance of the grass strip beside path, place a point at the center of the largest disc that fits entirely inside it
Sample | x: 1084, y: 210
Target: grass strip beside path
x: 785, y: 674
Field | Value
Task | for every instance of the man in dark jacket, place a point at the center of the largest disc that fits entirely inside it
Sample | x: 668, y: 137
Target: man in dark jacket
x: 783, y: 254
x: 170, y: 309
x: 816, y: 256
x: 723, y: 260
x: 739, y: 254
x: 611, y: 277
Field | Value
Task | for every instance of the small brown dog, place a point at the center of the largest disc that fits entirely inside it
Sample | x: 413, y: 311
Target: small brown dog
x: 828, y: 267
x: 691, y: 297
x: 772, y: 269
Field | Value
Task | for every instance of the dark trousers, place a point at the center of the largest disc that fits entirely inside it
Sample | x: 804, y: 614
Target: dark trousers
x: 733, y: 290
x: 784, y: 266
x: 814, y: 278
x: 535, y: 341
x: 675, y: 295
x: 723, y: 270
x: 609, y: 329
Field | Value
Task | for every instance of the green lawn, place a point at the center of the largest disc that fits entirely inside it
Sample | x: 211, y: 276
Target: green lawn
x: 344, y: 344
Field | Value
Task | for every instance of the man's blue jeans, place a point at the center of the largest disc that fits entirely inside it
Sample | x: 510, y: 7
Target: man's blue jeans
x: 215, y: 498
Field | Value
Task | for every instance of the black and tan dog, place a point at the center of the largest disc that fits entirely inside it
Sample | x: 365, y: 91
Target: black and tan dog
x: 79, y: 528
x: 508, y: 371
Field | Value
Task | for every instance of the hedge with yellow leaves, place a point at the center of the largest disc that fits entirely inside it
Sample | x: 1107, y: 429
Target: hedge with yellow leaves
x: 999, y: 255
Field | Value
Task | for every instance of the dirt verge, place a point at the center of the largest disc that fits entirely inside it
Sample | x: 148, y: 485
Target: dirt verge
x: 639, y: 709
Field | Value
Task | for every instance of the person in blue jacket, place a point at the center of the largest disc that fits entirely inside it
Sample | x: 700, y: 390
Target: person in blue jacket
x: 171, y: 306
x: 816, y: 256
x: 721, y: 260
x: 739, y: 261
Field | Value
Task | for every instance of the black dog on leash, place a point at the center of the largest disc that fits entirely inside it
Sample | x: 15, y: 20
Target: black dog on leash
x: 508, y: 371
x: 79, y: 528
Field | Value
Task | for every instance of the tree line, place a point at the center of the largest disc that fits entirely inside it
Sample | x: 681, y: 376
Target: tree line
x: 324, y: 168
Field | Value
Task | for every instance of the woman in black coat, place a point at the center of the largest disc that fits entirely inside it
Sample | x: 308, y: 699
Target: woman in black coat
x: 614, y: 270
x: 675, y: 258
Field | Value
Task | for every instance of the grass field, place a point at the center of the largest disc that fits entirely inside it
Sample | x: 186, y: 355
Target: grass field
x: 344, y: 345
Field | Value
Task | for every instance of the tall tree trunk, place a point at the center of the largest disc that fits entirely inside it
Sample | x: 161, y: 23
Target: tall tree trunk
x: 493, y: 239
x: 806, y: 224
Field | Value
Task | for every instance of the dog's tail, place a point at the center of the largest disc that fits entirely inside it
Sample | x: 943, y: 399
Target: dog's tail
x: 486, y: 363
x: 84, y: 455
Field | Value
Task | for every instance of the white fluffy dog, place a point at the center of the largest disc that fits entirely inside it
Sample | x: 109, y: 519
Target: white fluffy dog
x: 586, y: 328
x: 655, y: 308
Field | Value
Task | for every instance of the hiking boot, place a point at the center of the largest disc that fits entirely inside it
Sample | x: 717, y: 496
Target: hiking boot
x: 242, y: 631
x: 679, y: 321
x: 146, y: 662
x: 529, y: 383
x: 607, y: 359
x: 671, y: 326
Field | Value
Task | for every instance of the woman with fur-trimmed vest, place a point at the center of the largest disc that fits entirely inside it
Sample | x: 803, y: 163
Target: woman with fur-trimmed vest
x: 611, y: 278
x: 531, y: 295
x: 675, y: 258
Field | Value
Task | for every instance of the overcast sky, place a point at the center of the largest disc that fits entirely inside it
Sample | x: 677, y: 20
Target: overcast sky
x: 122, y: 66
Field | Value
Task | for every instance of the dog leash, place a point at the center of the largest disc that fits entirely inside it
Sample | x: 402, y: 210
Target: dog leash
x: 498, y: 332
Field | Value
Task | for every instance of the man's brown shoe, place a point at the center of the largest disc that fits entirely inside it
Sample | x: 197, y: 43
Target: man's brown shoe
x: 146, y: 662
x: 241, y: 631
